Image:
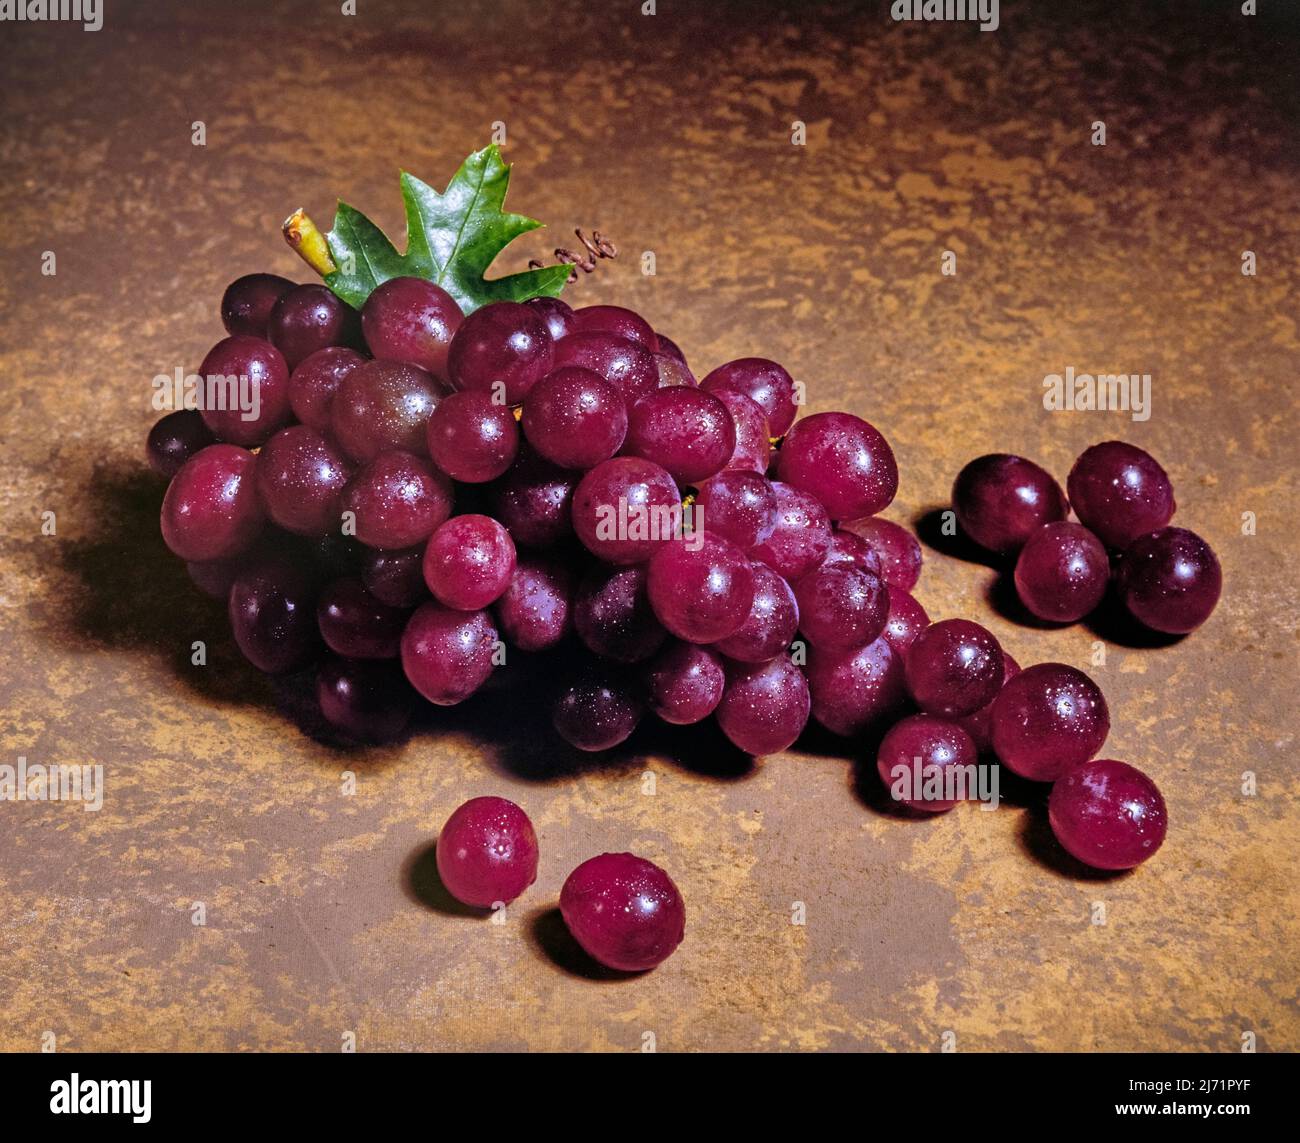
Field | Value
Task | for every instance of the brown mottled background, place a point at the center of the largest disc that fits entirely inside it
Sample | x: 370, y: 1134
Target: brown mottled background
x: 672, y: 134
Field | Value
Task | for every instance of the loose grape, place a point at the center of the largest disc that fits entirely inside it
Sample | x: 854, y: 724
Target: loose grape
x: 472, y: 438
x: 765, y: 383
x: 247, y: 303
x: 447, y: 655
x: 765, y: 705
x: 597, y: 711
x: 684, y: 683
x: 616, y: 320
x: 841, y: 607
x: 174, y: 439
x: 624, y: 508
x: 311, y: 317
x: 1048, y: 719
x: 899, y: 551
x: 953, y: 668
x: 1108, y: 814
x: 687, y: 431
x: 300, y: 480
x: 736, y: 505
x: 770, y: 624
x: 613, y: 616
x: 624, y: 911
x: 1001, y: 500
x: 802, y: 535
x: 273, y: 617
x: 487, y: 852
x: 535, y: 612
x: 575, y: 418
x: 853, y: 691
x: 369, y: 701
x: 397, y: 500
x: 469, y: 562
x: 211, y: 510
x: 384, y: 405
x: 246, y: 390
x: 411, y: 320
x: 316, y: 379
x: 355, y: 624
x: 921, y: 753
x: 504, y: 349
x: 623, y: 363
x: 1120, y: 492
x: 842, y: 461
x: 1062, y: 572
x: 1170, y: 580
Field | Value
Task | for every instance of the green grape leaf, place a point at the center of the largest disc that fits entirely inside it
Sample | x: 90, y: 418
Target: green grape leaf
x: 452, y: 239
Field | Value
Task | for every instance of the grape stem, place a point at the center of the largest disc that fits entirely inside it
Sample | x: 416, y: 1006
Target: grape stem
x: 306, y: 240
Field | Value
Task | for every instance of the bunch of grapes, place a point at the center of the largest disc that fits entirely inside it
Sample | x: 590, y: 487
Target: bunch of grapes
x: 421, y: 498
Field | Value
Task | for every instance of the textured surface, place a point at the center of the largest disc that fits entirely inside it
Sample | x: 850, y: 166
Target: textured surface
x: 672, y: 134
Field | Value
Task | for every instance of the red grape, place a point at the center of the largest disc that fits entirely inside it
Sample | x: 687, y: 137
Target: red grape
x: 316, y: 379
x: 684, y: 683
x: 1062, y: 572
x: 616, y: 320
x: 384, y: 405
x: 1047, y: 719
x: 1170, y: 580
x: 1120, y: 492
x: 534, y: 500
x: 853, y: 691
x: 687, y: 431
x: 613, y: 616
x: 906, y: 620
x: 765, y: 383
x: 272, y: 615
x: 899, y: 551
x: 841, y: 460
x: 487, y: 852
x: 737, y: 505
x: 624, y: 911
x: 919, y: 754
x: 701, y: 588
x: 623, y: 363
x: 174, y: 439
x: 446, y: 654
x: 841, y: 607
x: 575, y: 418
x: 953, y: 668
x: 535, y: 611
x: 765, y: 705
x: 802, y: 535
x: 771, y: 623
x: 397, y: 500
x: 469, y: 562
x: 396, y: 577
x: 300, y: 479
x: 355, y: 624
x: 367, y: 700
x: 503, y: 349
x: 308, y: 318
x: 211, y: 510
x: 597, y: 711
x: 557, y: 314
x: 246, y: 390
x: 1108, y: 814
x: 411, y: 320
x: 624, y: 508
x: 247, y: 303
x: 472, y: 438
x: 1001, y: 500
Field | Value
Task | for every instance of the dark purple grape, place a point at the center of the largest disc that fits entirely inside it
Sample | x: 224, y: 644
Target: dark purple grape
x: 1001, y: 500
x: 1048, y: 719
x: 684, y: 683
x: 771, y: 623
x: 557, y: 315
x: 854, y: 691
x: 801, y: 538
x: 446, y: 654
x: 841, y: 607
x: 953, y: 668
x: 487, y: 853
x: 395, y: 578
x: 1108, y: 814
x: 397, y: 500
x: 273, y: 616
x: 247, y: 303
x: 535, y: 612
x: 597, y: 711
x: 980, y: 724
x: 736, y: 505
x: 384, y: 405
x: 701, y: 588
x: 472, y: 438
x: 174, y: 439
x: 300, y: 479
x: 214, y: 577
x: 1170, y: 580
x: 621, y: 322
x: 922, y: 750
x: 753, y: 443
x: 841, y: 460
x: 211, y: 510
x: 309, y: 318
x: 624, y: 911
x: 411, y: 320
x: 502, y: 349
x: 899, y: 550
x: 613, y: 616
x: 246, y: 390
x: 765, y: 705
x: 575, y: 418
x: 686, y: 431
x: 851, y: 550
x: 905, y: 621
x: 1062, y: 572
x: 355, y: 624
x: 624, y: 508
x: 534, y: 500
x: 469, y: 562
x: 765, y: 383
x: 316, y: 379
x: 367, y: 701
x: 629, y: 366
x: 1120, y: 492
x: 669, y: 347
